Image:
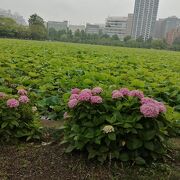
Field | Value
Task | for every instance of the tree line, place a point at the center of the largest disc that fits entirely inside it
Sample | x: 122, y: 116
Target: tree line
x: 37, y: 31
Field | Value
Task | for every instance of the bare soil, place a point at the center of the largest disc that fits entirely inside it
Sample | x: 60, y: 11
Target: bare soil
x: 37, y: 161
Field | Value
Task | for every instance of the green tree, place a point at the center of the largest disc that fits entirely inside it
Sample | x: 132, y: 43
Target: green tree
x: 127, y: 38
x: 37, y: 27
x: 115, y: 37
x: 8, y: 27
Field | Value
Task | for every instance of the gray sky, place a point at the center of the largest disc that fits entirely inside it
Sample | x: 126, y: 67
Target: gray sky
x: 82, y: 11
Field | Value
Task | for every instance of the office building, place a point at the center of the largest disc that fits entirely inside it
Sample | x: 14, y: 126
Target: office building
x: 116, y: 26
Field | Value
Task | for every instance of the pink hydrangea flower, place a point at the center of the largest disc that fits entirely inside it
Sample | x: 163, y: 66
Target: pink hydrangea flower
x: 115, y: 91
x: 124, y: 91
x: 74, y: 96
x: 87, y: 91
x: 96, y: 100
x: 149, y: 110
x: 75, y: 91
x: 147, y: 100
x: 72, y: 103
x: 136, y: 93
x: 22, y: 92
x: 84, y: 96
x: 97, y: 90
x: 117, y: 95
x: 2, y: 95
x: 159, y: 105
x: 12, y: 103
x: 23, y: 99
x: 66, y: 115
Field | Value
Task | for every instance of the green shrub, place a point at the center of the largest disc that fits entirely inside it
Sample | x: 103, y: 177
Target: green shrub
x: 17, y: 118
x: 126, y: 126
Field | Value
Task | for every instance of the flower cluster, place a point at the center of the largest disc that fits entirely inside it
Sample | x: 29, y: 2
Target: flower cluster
x: 97, y: 90
x: 85, y: 95
x: 22, y: 92
x: 116, y: 94
x: 23, y: 99
x: 151, y: 108
x: 14, y: 103
x: 108, y: 129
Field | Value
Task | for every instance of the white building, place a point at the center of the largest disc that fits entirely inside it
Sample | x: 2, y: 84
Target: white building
x: 58, y: 26
x: 74, y: 28
x: 116, y: 25
x: 145, y: 14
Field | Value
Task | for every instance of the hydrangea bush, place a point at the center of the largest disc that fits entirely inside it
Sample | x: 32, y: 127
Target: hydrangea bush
x: 124, y: 125
x: 17, y: 117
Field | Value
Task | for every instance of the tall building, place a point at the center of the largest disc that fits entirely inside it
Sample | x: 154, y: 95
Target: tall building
x: 158, y: 29
x: 58, y: 26
x: 129, y: 24
x: 145, y: 14
x: 116, y: 26
x: 163, y: 26
x: 169, y: 24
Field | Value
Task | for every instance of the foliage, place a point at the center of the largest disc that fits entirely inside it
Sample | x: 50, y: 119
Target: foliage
x: 50, y: 70
x: 8, y: 27
x: 117, y: 127
x: 17, y: 118
x: 37, y: 27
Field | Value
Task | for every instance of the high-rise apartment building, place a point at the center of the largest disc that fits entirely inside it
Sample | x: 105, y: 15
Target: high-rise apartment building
x: 145, y: 14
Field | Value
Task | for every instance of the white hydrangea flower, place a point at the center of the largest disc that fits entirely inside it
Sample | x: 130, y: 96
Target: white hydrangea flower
x: 108, y: 128
x: 34, y: 109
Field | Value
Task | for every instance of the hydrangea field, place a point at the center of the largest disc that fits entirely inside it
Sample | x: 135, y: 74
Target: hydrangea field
x: 49, y: 70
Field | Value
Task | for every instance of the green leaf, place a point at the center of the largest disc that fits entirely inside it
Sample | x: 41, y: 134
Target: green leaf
x: 124, y: 157
x: 4, y: 124
x: 134, y: 143
x: 14, y: 122
x: 91, y: 154
x: 138, y: 126
x: 112, y: 136
x: 69, y: 149
x: 127, y: 125
x: 140, y: 161
x: 148, y: 135
x: 149, y: 145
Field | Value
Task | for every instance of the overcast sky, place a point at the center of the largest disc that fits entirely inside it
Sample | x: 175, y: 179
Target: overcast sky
x: 82, y: 11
